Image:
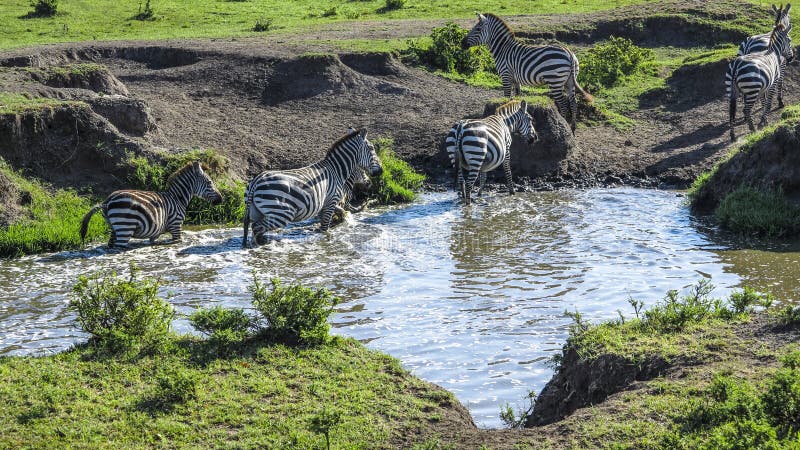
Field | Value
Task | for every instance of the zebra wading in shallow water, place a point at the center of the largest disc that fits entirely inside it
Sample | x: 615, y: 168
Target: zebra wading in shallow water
x: 357, y: 181
x: 273, y: 199
x: 478, y: 146
x: 760, y: 43
x: 519, y: 64
x: 756, y: 74
x: 147, y: 214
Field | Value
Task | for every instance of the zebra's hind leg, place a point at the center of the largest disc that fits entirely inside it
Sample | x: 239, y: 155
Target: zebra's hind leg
x: 507, y: 170
x: 120, y: 236
x: 561, y: 102
x: 460, y: 182
x: 470, y: 183
x: 749, y: 102
x: 767, y: 107
x: 481, y: 183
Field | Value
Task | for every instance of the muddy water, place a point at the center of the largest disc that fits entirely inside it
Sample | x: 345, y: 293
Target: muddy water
x: 471, y: 299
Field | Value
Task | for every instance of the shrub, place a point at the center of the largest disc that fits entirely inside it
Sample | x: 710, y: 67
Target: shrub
x: 445, y: 52
x: 122, y: 314
x: 324, y: 421
x: 782, y: 400
x: 398, y: 181
x: 262, y: 25
x: 294, y: 313
x: 176, y: 386
x: 223, y: 326
x: 606, y: 64
x: 44, y: 8
x: 674, y: 313
x: 330, y: 12
x: 752, y: 211
x: 392, y: 5
x: 789, y: 315
x: 146, y: 13
x: 517, y: 419
x: 745, y: 300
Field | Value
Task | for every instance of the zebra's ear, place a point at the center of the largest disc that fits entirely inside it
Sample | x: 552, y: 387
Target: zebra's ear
x: 788, y: 7
x: 523, y: 106
x: 774, y: 8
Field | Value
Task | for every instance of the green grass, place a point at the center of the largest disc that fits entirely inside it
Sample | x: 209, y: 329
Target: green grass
x: 750, y: 211
x: 399, y: 181
x: 258, y: 396
x: 99, y: 20
x: 53, y: 220
x: 15, y: 103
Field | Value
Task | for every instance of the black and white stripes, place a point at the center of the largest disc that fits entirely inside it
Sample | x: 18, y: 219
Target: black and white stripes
x: 478, y: 146
x: 760, y: 43
x: 756, y: 74
x: 520, y: 64
x: 273, y: 199
x: 146, y: 214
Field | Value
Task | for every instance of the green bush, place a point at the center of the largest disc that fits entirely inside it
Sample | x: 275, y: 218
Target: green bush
x: 122, y: 314
x: 445, y: 52
x: 675, y: 312
x: 752, y: 211
x: 782, y: 400
x: 745, y: 300
x: 176, y: 386
x: 330, y: 12
x: 145, y: 14
x: 262, y: 25
x: 324, y: 421
x: 223, y: 326
x: 399, y: 181
x: 608, y: 63
x: 294, y: 313
x: 44, y: 8
x: 789, y: 315
x: 392, y: 5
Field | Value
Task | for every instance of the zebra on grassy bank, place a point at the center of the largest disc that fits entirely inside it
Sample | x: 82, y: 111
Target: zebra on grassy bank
x: 756, y: 74
x: 519, y: 64
x: 481, y: 145
x: 760, y: 43
x: 147, y: 214
x: 273, y: 199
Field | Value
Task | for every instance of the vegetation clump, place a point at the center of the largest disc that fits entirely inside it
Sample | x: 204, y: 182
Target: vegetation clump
x: 43, y: 8
x: 399, y: 181
x: 750, y: 211
x: 145, y: 14
x: 391, y: 5
x: 122, y: 314
x: 263, y: 25
x: 446, y: 54
x: 607, y: 64
x: 223, y: 326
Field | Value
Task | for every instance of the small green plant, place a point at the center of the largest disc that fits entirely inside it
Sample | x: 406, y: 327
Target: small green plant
x: 294, y: 313
x: 745, y: 300
x: 445, y: 52
x: 263, y: 25
x: 122, y: 314
x: 392, y: 5
x: 578, y: 325
x: 607, y: 64
x: 44, y: 8
x: 399, y: 181
x: 333, y: 11
x: 324, y: 421
x: 789, y: 315
x: 516, y: 420
x: 176, y: 386
x: 145, y: 14
x: 223, y: 326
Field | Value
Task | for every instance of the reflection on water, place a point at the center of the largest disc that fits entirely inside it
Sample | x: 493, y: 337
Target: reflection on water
x: 471, y: 299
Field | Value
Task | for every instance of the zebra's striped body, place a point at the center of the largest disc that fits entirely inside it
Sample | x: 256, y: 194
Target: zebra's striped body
x: 274, y: 199
x: 357, y: 181
x: 756, y: 74
x: 479, y: 146
x: 760, y: 43
x: 146, y: 214
x: 519, y: 64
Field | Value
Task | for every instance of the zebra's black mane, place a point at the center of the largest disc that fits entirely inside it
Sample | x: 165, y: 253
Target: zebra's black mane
x: 502, y: 22
x: 511, y: 106
x: 342, y: 139
x: 186, y: 167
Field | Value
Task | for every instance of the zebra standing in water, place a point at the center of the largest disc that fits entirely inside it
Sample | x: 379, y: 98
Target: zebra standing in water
x: 518, y: 64
x: 146, y: 214
x: 760, y: 43
x: 358, y: 180
x: 756, y: 74
x: 481, y: 145
x: 275, y: 198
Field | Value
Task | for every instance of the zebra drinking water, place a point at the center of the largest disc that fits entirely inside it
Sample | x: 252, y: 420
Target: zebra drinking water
x: 146, y: 214
x: 519, y: 64
x: 756, y: 74
x: 481, y: 145
x: 273, y: 199
x: 760, y: 43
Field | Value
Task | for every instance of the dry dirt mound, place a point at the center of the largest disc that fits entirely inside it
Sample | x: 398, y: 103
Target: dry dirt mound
x: 94, y: 77
x: 772, y: 163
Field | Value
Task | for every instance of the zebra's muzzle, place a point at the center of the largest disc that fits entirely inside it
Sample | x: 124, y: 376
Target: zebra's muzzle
x: 464, y: 44
x: 375, y: 171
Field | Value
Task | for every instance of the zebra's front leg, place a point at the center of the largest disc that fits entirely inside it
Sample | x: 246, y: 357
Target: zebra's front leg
x: 175, y: 232
x: 508, y: 85
x: 326, y: 215
x: 507, y: 170
x: 481, y: 183
x: 780, y: 91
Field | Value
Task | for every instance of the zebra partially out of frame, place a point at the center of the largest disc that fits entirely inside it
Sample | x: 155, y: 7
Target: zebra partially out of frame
x: 756, y: 74
x: 273, y: 199
x: 519, y: 64
x: 147, y: 214
x: 760, y: 43
x: 480, y: 145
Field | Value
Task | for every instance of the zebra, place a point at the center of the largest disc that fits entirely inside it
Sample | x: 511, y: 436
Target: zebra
x: 481, y: 145
x: 357, y: 181
x: 760, y: 43
x: 275, y: 198
x: 518, y: 63
x: 146, y: 214
x: 756, y: 74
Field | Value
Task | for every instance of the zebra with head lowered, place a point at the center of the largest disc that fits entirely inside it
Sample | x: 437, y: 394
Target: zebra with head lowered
x: 756, y: 74
x: 760, y: 43
x: 147, y: 214
x: 273, y: 199
x: 478, y: 146
x: 519, y: 64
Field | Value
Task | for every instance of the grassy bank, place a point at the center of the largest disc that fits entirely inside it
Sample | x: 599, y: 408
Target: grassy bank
x: 729, y: 376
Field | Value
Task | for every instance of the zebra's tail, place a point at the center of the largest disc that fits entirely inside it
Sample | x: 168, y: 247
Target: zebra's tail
x: 86, y: 219
x: 575, y: 67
